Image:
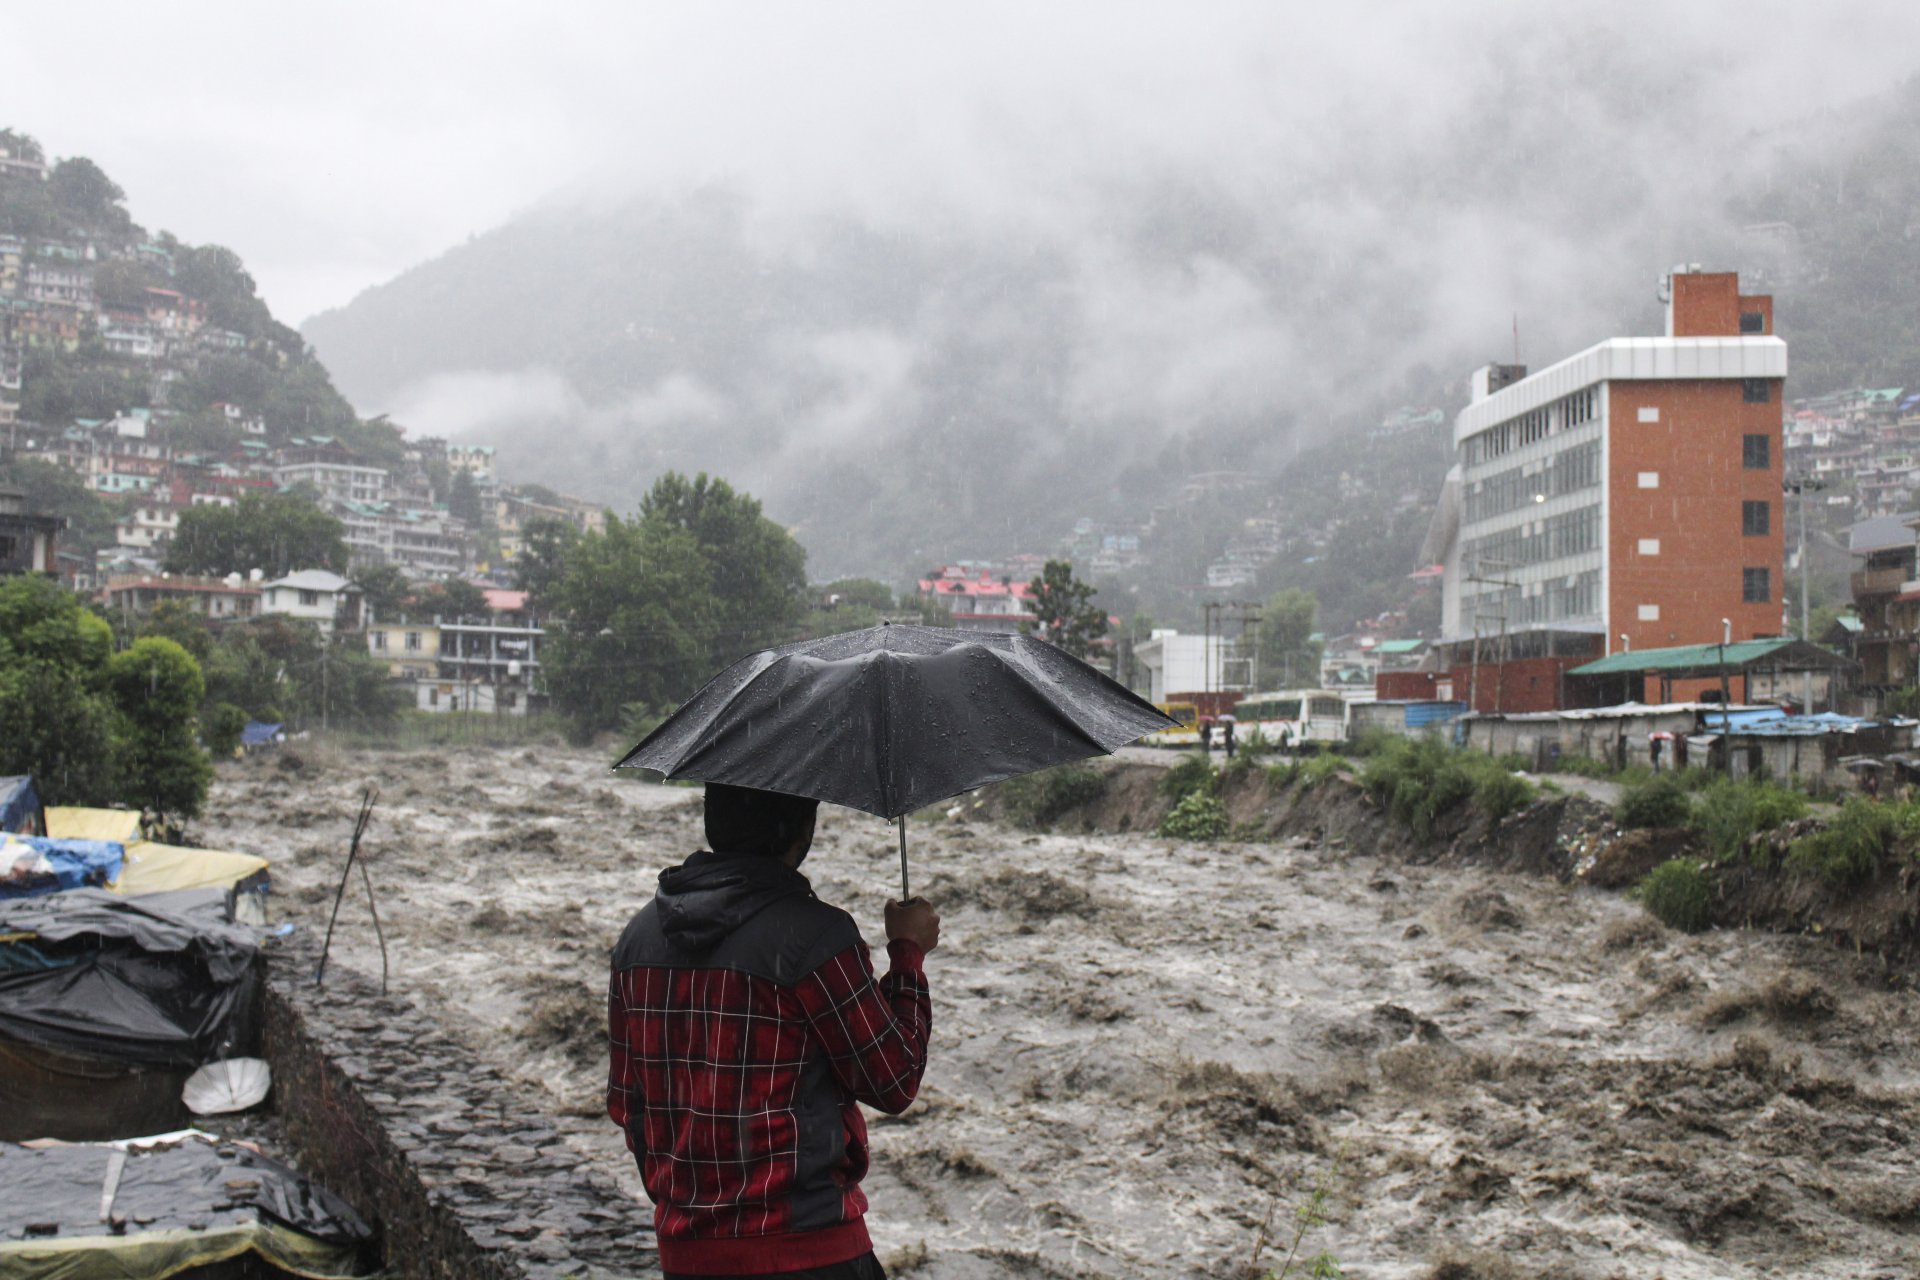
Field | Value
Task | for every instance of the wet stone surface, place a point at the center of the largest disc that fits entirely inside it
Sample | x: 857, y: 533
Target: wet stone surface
x: 440, y: 1150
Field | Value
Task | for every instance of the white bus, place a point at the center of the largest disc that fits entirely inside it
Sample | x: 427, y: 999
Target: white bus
x: 1295, y: 717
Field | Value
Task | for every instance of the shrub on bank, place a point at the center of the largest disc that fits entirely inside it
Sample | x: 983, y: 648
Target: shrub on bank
x: 1039, y: 799
x: 1657, y: 801
x: 1676, y: 893
x: 1850, y: 847
x: 1194, y: 775
x: 1198, y: 816
x: 1420, y: 780
x: 1730, y: 812
x: 1498, y: 793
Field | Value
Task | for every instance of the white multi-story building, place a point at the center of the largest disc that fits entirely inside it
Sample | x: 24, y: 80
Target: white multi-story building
x: 1629, y: 493
x: 340, y: 481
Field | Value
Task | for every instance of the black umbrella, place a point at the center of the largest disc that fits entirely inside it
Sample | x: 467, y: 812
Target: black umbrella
x: 891, y: 719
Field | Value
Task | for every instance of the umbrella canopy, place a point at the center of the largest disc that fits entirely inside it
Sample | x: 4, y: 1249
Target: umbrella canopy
x: 893, y: 718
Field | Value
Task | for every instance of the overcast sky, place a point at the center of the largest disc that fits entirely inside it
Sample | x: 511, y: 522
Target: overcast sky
x: 333, y: 145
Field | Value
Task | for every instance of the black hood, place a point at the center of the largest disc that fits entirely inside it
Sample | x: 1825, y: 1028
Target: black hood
x: 707, y: 897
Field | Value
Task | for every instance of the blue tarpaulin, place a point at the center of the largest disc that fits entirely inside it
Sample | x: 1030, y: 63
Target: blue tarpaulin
x: 257, y: 734
x: 60, y: 864
x: 19, y: 805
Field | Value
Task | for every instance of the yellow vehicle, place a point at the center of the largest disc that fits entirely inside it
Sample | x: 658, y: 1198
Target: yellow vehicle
x: 1187, y: 735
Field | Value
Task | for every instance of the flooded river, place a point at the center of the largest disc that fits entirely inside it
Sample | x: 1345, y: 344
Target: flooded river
x: 1145, y: 1050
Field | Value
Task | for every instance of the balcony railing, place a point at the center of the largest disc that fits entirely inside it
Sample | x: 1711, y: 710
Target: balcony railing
x: 1878, y: 582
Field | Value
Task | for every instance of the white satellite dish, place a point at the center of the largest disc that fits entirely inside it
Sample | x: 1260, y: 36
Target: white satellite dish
x: 233, y: 1084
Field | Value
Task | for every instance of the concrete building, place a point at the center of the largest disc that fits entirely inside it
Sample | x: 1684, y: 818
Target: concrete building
x: 325, y: 599
x: 411, y: 650
x: 1629, y: 495
x: 27, y: 541
x: 1181, y: 665
x: 136, y: 594
x: 980, y: 601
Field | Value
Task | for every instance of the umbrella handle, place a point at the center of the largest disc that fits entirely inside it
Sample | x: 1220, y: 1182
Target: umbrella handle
x: 904, y: 894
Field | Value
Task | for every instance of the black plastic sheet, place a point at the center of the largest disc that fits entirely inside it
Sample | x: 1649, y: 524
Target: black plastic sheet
x: 159, y: 981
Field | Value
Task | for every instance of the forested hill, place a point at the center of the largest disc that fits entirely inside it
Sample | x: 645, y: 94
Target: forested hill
x: 100, y: 317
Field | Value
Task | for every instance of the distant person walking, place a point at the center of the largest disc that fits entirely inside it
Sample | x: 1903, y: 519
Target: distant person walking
x: 1653, y: 749
x: 1206, y: 737
x: 1226, y: 728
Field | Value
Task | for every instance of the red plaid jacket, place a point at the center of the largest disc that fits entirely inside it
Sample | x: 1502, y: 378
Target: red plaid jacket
x: 746, y: 1023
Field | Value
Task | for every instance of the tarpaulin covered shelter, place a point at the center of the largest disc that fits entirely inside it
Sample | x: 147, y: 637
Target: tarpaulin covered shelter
x: 258, y: 734
x: 32, y: 865
x: 149, y: 867
x: 167, y: 1206
x: 20, y: 806
x: 108, y: 1003
x: 71, y: 822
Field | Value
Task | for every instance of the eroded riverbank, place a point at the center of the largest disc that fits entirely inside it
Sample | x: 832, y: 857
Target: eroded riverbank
x: 1143, y: 1046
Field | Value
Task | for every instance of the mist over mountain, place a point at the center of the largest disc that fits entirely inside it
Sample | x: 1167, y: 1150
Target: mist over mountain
x: 938, y: 368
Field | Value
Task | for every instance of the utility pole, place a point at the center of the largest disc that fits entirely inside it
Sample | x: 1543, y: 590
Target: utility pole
x: 1473, y: 681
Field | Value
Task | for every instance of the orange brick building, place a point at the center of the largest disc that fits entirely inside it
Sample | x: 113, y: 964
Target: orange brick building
x: 1629, y: 495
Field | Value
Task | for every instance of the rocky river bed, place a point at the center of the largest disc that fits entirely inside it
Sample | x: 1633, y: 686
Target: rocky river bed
x: 1149, y: 1054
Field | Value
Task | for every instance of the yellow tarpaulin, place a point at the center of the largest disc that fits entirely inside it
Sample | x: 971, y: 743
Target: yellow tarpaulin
x: 66, y: 822
x: 158, y: 868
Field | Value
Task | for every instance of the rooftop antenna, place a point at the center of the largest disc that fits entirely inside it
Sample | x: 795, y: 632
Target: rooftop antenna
x: 1516, y: 337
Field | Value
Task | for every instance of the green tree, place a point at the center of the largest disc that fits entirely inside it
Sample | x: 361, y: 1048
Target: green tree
x: 848, y: 604
x: 1063, y: 610
x: 58, y: 386
x: 463, y: 499
x: 180, y: 622
x: 56, y: 722
x: 275, y: 533
x: 544, y: 546
x: 385, y: 591
x: 158, y: 688
x: 1287, y: 654
x: 455, y: 599
x: 83, y: 191
x: 656, y: 604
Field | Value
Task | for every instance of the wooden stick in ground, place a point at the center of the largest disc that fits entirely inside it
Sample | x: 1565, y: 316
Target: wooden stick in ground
x: 353, y: 851
x: 378, y: 932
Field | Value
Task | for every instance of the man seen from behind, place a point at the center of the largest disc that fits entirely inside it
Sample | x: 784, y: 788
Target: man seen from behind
x: 746, y: 1027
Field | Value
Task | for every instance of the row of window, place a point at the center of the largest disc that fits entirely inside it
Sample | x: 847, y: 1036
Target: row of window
x: 380, y: 641
x: 1575, y: 596
x: 1534, y: 426
x: 1568, y: 472
x: 1549, y: 539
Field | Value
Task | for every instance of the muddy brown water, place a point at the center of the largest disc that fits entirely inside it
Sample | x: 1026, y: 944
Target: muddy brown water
x: 1144, y: 1050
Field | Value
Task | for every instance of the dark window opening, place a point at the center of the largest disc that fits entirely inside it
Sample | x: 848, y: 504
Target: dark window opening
x: 1756, y: 519
x: 1756, y: 585
x: 1757, y: 390
x: 1752, y: 322
x: 1756, y: 452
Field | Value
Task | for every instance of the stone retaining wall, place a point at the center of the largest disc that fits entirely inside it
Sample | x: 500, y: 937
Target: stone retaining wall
x: 464, y: 1181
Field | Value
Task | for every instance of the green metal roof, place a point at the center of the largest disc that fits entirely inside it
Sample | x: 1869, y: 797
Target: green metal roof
x: 1709, y: 658
x: 1398, y: 646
